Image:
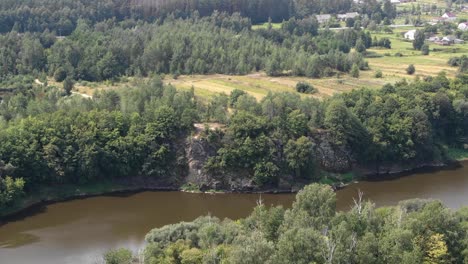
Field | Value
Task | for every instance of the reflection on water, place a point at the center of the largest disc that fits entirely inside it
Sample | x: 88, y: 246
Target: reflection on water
x: 80, y: 231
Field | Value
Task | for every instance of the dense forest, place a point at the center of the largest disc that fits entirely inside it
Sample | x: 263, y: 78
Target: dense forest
x: 415, y: 231
x: 62, y: 16
x: 51, y: 138
x: 219, y: 43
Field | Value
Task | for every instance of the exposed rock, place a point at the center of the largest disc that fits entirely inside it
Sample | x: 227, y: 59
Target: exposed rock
x: 198, y: 150
x: 329, y: 156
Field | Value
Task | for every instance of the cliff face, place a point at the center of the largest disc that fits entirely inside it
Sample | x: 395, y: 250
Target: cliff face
x: 198, y: 150
x: 331, y: 157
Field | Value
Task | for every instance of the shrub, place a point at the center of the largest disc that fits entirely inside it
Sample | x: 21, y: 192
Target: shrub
x: 305, y: 87
x: 411, y: 69
x: 378, y: 74
x: 118, y: 256
x: 425, y: 49
x: 68, y: 85
x: 60, y: 74
x: 355, y: 71
x: 454, y: 61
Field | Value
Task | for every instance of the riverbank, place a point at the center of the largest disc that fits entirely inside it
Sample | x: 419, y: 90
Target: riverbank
x: 52, y: 194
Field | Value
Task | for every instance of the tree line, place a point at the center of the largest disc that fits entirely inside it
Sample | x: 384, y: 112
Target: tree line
x: 311, y: 231
x: 217, y: 44
x: 50, y: 138
x: 62, y: 16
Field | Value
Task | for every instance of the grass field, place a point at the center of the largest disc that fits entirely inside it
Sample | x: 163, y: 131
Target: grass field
x: 392, y: 67
x: 431, y: 64
x: 259, y: 84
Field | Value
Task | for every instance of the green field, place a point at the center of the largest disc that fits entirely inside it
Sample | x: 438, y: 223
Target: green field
x: 392, y: 67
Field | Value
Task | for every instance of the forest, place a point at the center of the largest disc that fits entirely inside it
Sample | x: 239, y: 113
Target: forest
x: 219, y: 43
x: 414, y: 231
x: 37, y: 15
x: 50, y: 138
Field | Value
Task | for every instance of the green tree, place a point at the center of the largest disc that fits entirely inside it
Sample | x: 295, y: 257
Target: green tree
x: 411, y: 69
x: 10, y: 190
x: 425, y: 49
x: 419, y: 39
x: 298, y: 154
x: 355, y: 71
x: 68, y: 85
x: 118, y: 256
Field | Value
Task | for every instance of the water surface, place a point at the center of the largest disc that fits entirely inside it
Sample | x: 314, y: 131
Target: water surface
x: 80, y: 231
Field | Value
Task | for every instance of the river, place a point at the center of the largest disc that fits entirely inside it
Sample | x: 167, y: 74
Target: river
x: 79, y: 231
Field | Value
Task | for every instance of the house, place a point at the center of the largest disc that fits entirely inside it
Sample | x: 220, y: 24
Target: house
x: 410, y: 34
x: 463, y: 26
x: 442, y: 43
x: 352, y: 15
x: 396, y: 2
x: 449, y: 17
x: 449, y: 39
x: 458, y: 41
x: 433, y: 39
x: 323, y: 18
x: 343, y: 17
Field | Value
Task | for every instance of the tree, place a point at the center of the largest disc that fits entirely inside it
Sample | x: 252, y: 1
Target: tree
x: 411, y: 69
x: 298, y: 154
x: 425, y: 49
x: 419, y: 39
x: 118, y: 256
x: 378, y: 74
x: 10, y: 190
x: 68, y: 85
x: 305, y: 87
x: 235, y: 94
x: 60, y: 74
x: 355, y: 71
x: 265, y: 172
x: 360, y: 47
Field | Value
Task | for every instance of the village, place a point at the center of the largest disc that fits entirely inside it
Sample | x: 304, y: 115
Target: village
x: 419, y: 15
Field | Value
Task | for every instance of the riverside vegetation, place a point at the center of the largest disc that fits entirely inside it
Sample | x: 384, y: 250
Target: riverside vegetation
x: 415, y: 231
x: 147, y: 134
x: 140, y: 131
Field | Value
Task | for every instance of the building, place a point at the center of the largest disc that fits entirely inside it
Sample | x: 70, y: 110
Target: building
x: 463, y: 26
x: 323, y: 18
x: 410, y: 34
x: 449, y: 17
x: 396, y: 2
x: 449, y: 39
x: 343, y: 17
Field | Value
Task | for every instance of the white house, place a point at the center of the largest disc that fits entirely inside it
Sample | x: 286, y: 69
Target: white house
x: 449, y: 17
x: 323, y: 18
x: 463, y: 26
x: 410, y: 34
x: 343, y: 17
x: 395, y: 2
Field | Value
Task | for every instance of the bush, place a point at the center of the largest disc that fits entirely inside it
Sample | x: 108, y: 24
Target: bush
x: 411, y: 69
x: 355, y: 71
x: 398, y: 54
x: 305, y: 87
x: 118, y: 256
x: 68, y: 85
x: 378, y: 74
x: 60, y: 74
x: 454, y: 61
x: 425, y: 49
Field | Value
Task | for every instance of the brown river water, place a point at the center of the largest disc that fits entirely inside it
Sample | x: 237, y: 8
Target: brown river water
x: 79, y: 231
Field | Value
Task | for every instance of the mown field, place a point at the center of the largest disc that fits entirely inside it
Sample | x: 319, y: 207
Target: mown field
x: 431, y: 64
x: 392, y: 67
x: 259, y: 84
